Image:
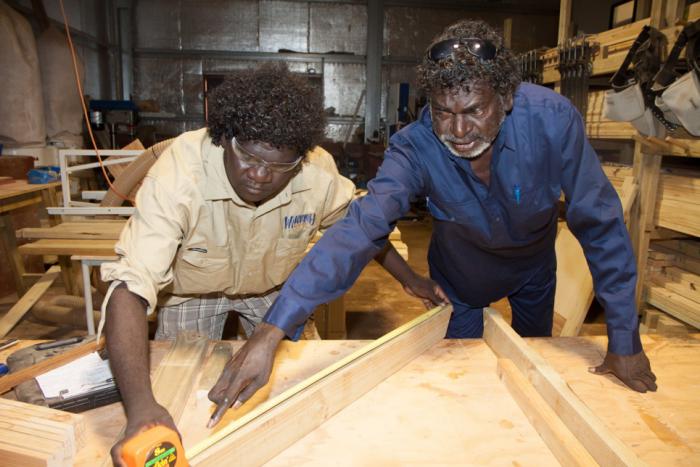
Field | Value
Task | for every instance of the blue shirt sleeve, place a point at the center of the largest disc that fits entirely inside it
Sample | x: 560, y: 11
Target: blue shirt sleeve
x: 335, y: 262
x: 594, y: 215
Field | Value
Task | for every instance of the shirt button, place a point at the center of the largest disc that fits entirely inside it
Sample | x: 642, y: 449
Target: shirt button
x: 498, y: 219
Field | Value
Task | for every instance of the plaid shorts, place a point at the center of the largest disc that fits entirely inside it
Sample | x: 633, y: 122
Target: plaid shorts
x: 207, y: 315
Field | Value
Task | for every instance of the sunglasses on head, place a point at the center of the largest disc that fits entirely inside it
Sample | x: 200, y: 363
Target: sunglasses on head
x: 482, y: 49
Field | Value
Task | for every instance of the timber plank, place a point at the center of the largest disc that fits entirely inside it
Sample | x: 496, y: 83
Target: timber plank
x: 11, y: 380
x: 47, y: 419
x: 598, y: 439
x: 68, y: 247
x: 174, y: 378
x: 12, y: 455
x: 678, y: 281
x: 44, y: 450
x: 574, y: 292
x: 563, y: 444
x: 24, y: 304
x: 674, y: 304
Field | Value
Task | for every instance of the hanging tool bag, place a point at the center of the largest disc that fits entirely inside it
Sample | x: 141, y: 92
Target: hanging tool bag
x: 678, y: 94
x: 631, y: 99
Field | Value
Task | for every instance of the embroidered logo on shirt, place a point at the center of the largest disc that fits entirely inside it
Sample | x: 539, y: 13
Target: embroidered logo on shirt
x: 293, y: 222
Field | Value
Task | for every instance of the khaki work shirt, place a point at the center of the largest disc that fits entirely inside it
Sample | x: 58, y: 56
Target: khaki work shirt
x: 191, y: 234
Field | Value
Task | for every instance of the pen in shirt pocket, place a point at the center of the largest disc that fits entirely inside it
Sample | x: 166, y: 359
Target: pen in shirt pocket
x: 516, y: 193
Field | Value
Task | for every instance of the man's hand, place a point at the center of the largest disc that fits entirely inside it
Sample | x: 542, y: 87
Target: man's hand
x: 633, y: 370
x: 427, y: 290
x: 142, y: 420
x: 246, y: 372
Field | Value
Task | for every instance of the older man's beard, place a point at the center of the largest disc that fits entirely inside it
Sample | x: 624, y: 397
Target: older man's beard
x: 484, y: 141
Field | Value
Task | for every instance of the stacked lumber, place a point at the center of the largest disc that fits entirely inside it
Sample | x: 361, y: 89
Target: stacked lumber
x: 674, y: 277
x: 678, y: 204
x: 678, y: 201
x: 597, y: 126
x: 655, y: 321
x: 616, y: 174
x: 31, y: 435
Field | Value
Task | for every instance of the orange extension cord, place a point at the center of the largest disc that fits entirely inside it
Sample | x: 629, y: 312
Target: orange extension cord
x: 85, y: 112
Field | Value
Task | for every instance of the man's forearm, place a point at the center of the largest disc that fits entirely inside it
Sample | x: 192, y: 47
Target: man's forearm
x: 391, y: 260
x: 127, y: 344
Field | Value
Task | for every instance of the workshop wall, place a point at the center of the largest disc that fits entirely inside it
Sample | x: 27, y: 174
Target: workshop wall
x: 177, y: 43
x: 88, y: 20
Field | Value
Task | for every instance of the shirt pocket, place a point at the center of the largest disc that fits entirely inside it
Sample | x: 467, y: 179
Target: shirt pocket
x: 532, y: 212
x: 461, y: 212
x: 288, y: 253
x: 198, y: 272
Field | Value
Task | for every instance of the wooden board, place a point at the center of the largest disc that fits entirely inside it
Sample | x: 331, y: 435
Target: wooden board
x: 68, y: 247
x: 674, y: 304
x: 11, y: 380
x: 663, y: 427
x: 75, y: 230
x: 599, y: 440
x: 175, y: 375
x: 273, y: 426
x: 446, y: 407
x: 574, y: 292
x: 34, y: 435
x: 22, y: 187
x: 563, y: 444
x: 25, y: 303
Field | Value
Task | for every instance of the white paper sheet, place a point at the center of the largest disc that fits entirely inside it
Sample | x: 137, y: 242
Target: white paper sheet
x: 81, y: 376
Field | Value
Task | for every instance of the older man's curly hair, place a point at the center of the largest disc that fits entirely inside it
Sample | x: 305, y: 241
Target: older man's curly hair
x: 502, y: 72
x: 268, y: 104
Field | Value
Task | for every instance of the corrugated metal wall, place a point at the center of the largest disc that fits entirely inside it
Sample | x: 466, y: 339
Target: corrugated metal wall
x: 177, y: 42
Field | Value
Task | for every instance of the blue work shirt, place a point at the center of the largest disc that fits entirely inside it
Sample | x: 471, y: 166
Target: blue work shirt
x: 487, y: 241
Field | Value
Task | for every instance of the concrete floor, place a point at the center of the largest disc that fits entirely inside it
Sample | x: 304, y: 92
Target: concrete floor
x: 377, y: 303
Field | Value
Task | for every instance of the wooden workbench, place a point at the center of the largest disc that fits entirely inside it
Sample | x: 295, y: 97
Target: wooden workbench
x: 92, y: 242
x: 449, y: 407
x: 16, y: 195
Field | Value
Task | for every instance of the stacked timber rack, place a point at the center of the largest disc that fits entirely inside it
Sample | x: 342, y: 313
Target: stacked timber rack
x: 673, y: 274
x: 613, y: 46
x: 608, y: 53
x: 672, y: 264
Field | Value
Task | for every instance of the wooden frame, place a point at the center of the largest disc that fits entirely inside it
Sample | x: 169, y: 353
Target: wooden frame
x: 274, y: 425
x: 598, y: 439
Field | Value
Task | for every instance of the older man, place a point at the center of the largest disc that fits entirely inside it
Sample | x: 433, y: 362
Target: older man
x: 491, y: 155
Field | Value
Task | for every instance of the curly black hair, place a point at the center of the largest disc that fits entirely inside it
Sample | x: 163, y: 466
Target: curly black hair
x: 463, y: 69
x: 270, y: 104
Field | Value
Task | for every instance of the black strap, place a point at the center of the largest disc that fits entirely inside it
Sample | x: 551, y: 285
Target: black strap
x: 622, y: 78
x: 692, y: 49
x: 667, y: 74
